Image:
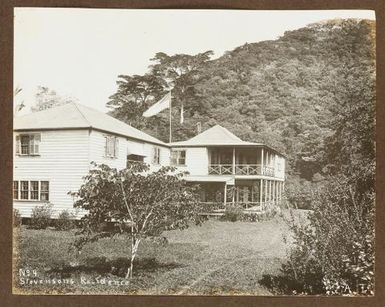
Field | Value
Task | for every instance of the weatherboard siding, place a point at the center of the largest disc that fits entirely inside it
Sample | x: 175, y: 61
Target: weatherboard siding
x: 97, y: 151
x: 197, y: 161
x: 63, y: 161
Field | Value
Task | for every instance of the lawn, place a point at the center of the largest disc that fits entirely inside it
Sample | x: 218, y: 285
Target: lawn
x: 215, y: 258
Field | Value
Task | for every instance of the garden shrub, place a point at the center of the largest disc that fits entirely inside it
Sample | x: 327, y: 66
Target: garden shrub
x: 41, y: 217
x: 252, y: 217
x: 16, y: 218
x: 233, y: 214
x: 65, y: 221
x: 333, y: 252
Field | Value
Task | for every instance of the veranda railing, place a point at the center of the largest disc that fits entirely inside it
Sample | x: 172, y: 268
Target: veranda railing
x: 241, y: 169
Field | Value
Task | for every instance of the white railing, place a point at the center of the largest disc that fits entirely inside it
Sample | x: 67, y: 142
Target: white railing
x: 220, y: 169
x: 241, y: 169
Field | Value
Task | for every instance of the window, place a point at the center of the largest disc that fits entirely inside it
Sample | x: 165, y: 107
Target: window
x: 135, y: 158
x: 24, y: 187
x: 156, y: 156
x: 44, y: 190
x: 27, y: 144
x: 178, y: 157
x: 111, y: 146
x: 34, y: 190
x: 31, y: 190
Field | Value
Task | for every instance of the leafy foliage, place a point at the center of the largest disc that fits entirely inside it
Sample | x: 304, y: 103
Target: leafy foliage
x: 334, y: 251
x: 16, y: 218
x: 136, y: 202
x: 65, y: 221
x: 40, y: 217
x: 232, y: 214
x: 46, y: 98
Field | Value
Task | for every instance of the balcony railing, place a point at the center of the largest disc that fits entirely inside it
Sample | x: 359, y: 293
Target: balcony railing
x: 220, y: 169
x: 241, y: 169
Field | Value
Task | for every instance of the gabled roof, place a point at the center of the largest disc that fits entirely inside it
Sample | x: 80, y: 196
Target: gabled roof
x: 76, y: 116
x: 215, y: 136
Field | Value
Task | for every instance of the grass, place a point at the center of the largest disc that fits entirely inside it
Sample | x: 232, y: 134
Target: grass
x: 215, y: 258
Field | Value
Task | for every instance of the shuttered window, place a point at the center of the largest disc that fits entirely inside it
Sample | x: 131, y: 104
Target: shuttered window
x: 111, y: 146
x: 156, y: 155
x: 28, y: 144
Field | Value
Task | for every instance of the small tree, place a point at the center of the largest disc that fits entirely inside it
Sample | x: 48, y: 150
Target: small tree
x: 136, y: 202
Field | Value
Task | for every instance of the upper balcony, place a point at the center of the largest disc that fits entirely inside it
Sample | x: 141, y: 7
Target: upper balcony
x: 245, y: 162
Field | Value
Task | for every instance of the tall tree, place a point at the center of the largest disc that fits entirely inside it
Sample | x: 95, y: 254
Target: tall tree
x: 134, y: 95
x: 182, y: 72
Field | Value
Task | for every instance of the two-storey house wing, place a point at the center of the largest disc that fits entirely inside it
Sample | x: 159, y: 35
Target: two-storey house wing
x: 54, y: 148
x: 231, y: 170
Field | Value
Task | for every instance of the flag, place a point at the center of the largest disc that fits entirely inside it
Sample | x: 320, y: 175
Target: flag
x: 161, y: 105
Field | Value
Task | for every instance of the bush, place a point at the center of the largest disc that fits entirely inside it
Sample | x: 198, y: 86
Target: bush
x: 41, y: 217
x: 232, y: 214
x: 333, y: 253
x: 16, y: 218
x: 298, y: 193
x: 65, y: 221
x: 252, y: 217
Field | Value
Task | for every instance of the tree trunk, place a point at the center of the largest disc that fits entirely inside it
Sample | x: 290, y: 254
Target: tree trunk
x: 134, y: 249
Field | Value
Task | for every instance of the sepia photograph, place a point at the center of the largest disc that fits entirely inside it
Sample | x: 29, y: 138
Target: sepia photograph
x: 194, y: 152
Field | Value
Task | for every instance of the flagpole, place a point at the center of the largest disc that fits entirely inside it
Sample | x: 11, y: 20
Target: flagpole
x: 170, y: 138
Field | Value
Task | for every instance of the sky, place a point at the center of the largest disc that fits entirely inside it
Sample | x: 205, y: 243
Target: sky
x: 80, y: 52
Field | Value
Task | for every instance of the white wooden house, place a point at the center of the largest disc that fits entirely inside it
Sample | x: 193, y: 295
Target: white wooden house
x: 230, y: 170
x: 54, y: 148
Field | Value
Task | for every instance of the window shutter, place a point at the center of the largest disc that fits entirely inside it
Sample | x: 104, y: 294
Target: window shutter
x: 37, y: 139
x: 17, y: 144
x: 106, y: 146
x: 116, y: 147
x: 154, y: 155
x: 31, y: 144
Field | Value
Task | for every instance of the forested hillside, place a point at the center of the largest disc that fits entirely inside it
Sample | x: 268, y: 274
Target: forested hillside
x: 309, y: 94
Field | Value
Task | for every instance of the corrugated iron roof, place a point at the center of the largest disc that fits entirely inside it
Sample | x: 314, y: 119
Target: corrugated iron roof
x: 74, y: 115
